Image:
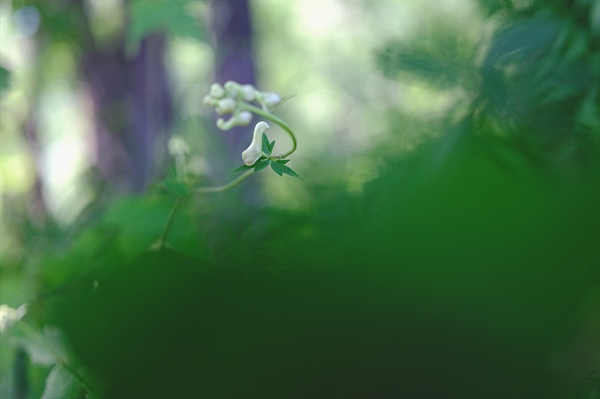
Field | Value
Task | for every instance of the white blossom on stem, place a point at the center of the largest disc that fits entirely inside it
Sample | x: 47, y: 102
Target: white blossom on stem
x: 252, y: 154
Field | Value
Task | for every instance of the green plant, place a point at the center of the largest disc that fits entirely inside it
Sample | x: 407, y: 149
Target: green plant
x: 239, y: 101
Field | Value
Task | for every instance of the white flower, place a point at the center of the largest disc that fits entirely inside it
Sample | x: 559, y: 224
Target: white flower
x: 251, y: 154
x: 8, y: 315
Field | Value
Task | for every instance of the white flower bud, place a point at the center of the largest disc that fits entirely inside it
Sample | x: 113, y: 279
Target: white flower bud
x: 231, y: 89
x: 225, y: 106
x: 222, y: 124
x: 178, y: 146
x: 208, y: 100
x: 217, y: 91
x: 252, y: 154
x: 271, y: 99
x: 248, y: 93
x: 244, y: 118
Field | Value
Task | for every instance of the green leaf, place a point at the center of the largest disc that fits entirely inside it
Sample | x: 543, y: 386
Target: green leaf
x: 261, y: 164
x: 277, y: 168
x: 288, y: 171
x: 271, y: 146
x: 266, y: 147
x: 61, y: 383
x: 280, y: 168
x: 242, y: 168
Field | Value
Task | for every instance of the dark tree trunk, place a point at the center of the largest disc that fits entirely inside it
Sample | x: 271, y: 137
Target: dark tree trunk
x: 133, y: 112
x: 132, y: 106
x: 235, y: 61
x: 232, y: 27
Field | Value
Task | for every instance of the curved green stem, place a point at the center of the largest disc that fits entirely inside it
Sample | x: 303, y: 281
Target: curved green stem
x: 274, y: 119
x: 162, y: 241
x: 225, y: 187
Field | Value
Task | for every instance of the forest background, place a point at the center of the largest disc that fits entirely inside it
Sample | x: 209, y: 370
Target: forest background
x: 444, y: 239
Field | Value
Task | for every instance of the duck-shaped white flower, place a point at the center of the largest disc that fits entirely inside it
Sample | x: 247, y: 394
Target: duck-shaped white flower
x: 252, y: 154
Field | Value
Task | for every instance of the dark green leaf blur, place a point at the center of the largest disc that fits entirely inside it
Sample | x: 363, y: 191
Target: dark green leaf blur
x: 443, y: 240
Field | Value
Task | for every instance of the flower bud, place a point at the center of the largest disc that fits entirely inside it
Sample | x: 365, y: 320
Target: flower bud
x: 208, y: 100
x: 222, y: 124
x: 231, y: 89
x: 225, y: 106
x: 253, y: 153
x: 177, y: 146
x: 248, y: 93
x: 270, y: 99
x: 217, y: 91
x: 244, y: 118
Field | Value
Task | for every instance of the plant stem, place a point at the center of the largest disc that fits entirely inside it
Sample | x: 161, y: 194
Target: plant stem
x: 225, y: 187
x: 162, y: 241
x: 163, y: 238
x: 276, y: 120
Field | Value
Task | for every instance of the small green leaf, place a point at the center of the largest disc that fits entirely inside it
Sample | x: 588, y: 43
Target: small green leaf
x: 277, y: 168
x: 265, y: 144
x: 261, y: 164
x: 241, y: 168
x: 288, y: 171
x: 271, y: 146
x: 280, y: 168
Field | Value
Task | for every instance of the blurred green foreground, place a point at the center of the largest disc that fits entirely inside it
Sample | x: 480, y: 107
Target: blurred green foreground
x: 459, y: 257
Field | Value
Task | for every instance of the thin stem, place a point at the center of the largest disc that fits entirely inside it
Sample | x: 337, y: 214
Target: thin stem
x: 162, y: 241
x: 225, y: 187
x: 276, y: 120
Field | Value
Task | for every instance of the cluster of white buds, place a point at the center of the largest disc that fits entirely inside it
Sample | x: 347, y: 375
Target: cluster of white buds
x: 230, y: 99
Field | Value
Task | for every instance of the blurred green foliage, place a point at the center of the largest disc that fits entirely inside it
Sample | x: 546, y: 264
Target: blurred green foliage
x: 465, y: 265
x: 166, y: 16
x: 536, y: 81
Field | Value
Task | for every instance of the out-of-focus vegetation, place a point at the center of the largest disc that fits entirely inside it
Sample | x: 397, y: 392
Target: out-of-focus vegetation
x: 445, y: 240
